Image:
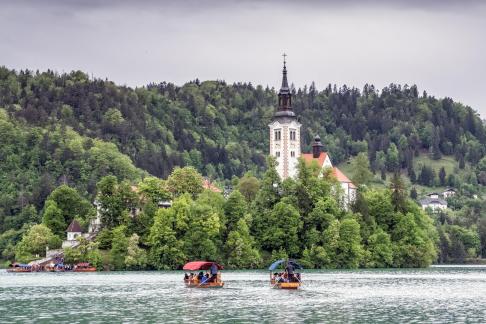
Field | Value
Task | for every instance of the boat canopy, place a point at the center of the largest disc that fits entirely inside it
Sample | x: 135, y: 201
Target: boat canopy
x: 200, y: 265
x: 275, y: 265
x: 20, y: 265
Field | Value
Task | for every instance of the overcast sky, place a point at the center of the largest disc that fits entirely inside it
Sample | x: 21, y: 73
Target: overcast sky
x: 438, y: 45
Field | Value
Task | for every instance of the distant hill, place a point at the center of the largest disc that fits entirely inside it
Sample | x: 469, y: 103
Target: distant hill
x: 62, y: 121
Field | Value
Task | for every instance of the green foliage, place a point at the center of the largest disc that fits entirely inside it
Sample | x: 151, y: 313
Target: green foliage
x: 54, y: 219
x: 235, y: 208
x: 361, y: 166
x: 166, y: 249
x: 136, y: 257
x: 34, y: 242
x: 185, y: 180
x: 154, y: 189
x: 119, y: 248
x: 283, y: 229
x: 116, y: 199
x: 241, y: 248
x: 380, y: 250
x: 72, y: 255
x: 104, y: 239
x: 248, y: 186
x: 70, y: 203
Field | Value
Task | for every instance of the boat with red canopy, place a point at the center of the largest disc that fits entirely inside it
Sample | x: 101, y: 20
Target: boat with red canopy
x: 210, y: 279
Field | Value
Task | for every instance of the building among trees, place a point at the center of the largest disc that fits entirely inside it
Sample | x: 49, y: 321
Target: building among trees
x: 285, y: 143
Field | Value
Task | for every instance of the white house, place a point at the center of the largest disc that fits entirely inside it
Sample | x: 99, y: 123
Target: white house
x: 73, y: 231
x: 449, y: 192
x: 434, y: 203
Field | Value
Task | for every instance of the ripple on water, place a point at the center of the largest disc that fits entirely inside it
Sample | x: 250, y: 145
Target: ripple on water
x: 427, y: 295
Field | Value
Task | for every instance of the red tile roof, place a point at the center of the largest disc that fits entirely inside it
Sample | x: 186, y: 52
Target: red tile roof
x: 309, y: 157
x: 74, y: 227
x: 341, y: 177
x: 208, y: 185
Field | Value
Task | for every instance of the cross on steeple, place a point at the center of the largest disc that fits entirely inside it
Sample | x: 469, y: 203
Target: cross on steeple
x: 284, y: 56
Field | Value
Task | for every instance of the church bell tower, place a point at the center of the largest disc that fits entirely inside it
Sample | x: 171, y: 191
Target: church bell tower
x: 285, y: 132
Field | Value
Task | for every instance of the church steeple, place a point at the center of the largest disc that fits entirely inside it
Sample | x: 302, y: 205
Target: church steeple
x: 284, y: 95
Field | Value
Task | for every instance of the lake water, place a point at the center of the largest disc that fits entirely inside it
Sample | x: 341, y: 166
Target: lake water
x: 438, y: 294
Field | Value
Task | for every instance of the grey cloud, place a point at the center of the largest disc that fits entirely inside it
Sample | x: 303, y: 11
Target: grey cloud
x: 439, y: 45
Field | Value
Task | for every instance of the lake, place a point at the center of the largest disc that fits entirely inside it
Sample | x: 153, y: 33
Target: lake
x: 437, y: 294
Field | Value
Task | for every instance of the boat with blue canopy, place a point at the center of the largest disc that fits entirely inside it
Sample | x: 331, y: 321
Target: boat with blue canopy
x: 285, y: 274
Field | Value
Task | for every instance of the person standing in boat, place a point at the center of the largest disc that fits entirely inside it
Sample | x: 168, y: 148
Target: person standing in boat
x: 290, y: 271
x: 214, y: 272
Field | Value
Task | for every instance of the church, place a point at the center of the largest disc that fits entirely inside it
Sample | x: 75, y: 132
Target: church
x: 286, y: 148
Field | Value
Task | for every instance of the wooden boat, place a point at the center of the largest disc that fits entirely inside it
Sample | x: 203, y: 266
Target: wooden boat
x: 19, y: 267
x: 200, y: 280
x: 290, y: 278
x: 84, y: 267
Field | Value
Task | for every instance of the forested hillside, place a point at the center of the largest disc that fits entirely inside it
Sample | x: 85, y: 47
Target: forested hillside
x: 71, y: 129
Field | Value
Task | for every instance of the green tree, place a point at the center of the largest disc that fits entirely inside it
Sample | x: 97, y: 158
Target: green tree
x: 361, y: 167
x: 154, y: 189
x: 241, y: 248
x: 392, y: 158
x: 380, y: 250
x: 70, y: 203
x: 136, y: 258
x: 166, y: 250
x: 248, y: 186
x: 235, y: 208
x: 34, y: 243
x: 283, y: 229
x: 119, y: 247
x: 185, y: 180
x: 442, y: 176
x: 350, y: 249
x: 54, y: 219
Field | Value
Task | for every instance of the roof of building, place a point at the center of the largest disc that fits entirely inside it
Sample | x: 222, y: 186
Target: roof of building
x: 341, y: 177
x: 449, y: 190
x: 432, y: 201
x: 338, y: 174
x: 207, y: 184
x: 309, y: 157
x: 433, y: 194
x: 74, y: 227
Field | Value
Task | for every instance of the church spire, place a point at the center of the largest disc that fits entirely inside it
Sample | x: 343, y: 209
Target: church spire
x: 284, y: 95
x: 285, y: 83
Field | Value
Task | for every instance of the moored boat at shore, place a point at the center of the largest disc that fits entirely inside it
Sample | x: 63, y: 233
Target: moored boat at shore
x: 84, y: 267
x: 289, y: 278
x: 212, y: 278
x: 19, y: 267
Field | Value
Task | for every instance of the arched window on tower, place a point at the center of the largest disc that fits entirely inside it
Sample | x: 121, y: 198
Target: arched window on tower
x: 278, y: 134
x: 293, y: 135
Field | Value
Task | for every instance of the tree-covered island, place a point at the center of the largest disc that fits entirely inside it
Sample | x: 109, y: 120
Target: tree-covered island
x: 68, y: 140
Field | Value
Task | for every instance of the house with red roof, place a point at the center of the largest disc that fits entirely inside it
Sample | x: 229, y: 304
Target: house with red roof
x: 286, y: 148
x: 324, y: 161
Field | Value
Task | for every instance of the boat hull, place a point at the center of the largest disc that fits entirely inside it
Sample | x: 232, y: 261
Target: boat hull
x: 18, y: 270
x: 287, y: 285
x: 85, y: 270
x: 205, y: 285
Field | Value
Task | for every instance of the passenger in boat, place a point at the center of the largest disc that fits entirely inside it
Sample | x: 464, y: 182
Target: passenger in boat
x: 200, y: 276
x: 186, y: 277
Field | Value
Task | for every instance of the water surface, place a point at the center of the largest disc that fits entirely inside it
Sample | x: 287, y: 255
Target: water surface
x: 434, y: 295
